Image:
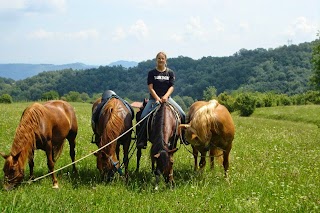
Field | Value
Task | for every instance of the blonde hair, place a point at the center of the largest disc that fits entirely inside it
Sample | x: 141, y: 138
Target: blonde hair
x: 163, y: 53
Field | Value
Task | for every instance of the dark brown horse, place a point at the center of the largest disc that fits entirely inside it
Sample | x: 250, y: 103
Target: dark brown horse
x: 210, y: 128
x: 163, y: 134
x: 115, y: 119
x: 41, y: 127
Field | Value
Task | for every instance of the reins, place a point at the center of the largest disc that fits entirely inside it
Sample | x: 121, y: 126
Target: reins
x: 76, y: 161
x: 205, y: 156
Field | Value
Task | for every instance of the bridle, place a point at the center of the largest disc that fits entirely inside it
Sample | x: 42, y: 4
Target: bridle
x: 7, y: 180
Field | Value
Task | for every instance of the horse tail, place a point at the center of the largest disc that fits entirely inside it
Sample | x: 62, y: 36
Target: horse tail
x: 115, y: 124
x: 204, y: 120
x: 218, y: 153
x: 213, y: 104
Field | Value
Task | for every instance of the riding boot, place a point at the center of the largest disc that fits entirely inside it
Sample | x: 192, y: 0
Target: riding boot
x: 183, y: 132
x: 142, y: 135
x: 183, y: 136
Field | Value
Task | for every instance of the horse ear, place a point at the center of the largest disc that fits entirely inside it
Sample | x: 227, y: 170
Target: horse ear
x: 4, y: 155
x: 193, y: 136
x: 16, y: 157
x: 183, y: 126
x: 156, y: 155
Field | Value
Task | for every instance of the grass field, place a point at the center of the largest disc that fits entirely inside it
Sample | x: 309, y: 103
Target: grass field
x: 275, y: 167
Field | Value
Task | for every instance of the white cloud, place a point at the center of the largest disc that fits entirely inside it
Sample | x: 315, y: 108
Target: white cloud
x: 244, y: 26
x: 42, y: 34
x: 218, y: 25
x: 12, y: 4
x: 84, y: 34
x: 44, y: 6
x: 152, y: 4
x: 177, y: 38
x: 301, y: 26
x: 194, y: 28
x: 34, y: 6
x: 80, y: 35
x: 139, y: 30
x: 119, y: 34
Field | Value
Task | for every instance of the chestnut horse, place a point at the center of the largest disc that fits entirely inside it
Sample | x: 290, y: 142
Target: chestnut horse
x: 210, y: 128
x: 114, y: 120
x: 42, y: 126
x: 163, y: 134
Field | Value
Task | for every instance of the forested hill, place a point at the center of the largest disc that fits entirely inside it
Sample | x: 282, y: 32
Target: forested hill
x: 286, y: 69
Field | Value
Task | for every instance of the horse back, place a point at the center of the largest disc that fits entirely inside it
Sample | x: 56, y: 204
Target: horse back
x: 194, y: 107
x: 223, y: 127
x: 114, y: 119
x: 61, y: 115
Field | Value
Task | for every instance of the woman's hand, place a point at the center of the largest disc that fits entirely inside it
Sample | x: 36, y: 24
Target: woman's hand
x: 164, y: 99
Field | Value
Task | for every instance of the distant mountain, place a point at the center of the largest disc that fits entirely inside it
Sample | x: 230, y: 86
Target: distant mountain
x: 20, y: 71
x: 126, y: 64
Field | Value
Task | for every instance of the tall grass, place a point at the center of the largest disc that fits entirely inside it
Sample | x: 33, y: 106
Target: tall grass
x: 274, y: 168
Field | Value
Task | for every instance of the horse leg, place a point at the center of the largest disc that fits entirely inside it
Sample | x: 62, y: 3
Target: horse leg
x: 31, y: 165
x: 171, y: 180
x: 195, y: 156
x: 126, y: 147
x: 72, y: 153
x: 138, y: 159
x: 50, y: 164
x: 203, y: 162
x: 226, y: 161
x: 212, y: 154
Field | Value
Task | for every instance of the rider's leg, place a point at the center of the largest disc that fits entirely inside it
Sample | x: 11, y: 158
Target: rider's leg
x: 183, y: 119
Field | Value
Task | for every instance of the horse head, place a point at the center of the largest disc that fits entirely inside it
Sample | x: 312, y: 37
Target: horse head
x: 106, y: 166
x: 191, y: 134
x: 164, y: 162
x: 13, y: 171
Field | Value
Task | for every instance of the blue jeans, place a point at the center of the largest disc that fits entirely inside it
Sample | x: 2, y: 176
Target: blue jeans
x: 152, y: 104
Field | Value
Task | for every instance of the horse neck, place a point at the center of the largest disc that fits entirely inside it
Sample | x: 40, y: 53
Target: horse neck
x: 158, y: 130
x: 25, y: 137
x: 24, y: 148
x: 113, y: 120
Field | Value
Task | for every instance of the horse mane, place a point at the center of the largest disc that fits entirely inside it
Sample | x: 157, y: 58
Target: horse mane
x: 204, y: 120
x: 158, y: 144
x: 115, y: 125
x: 25, y: 136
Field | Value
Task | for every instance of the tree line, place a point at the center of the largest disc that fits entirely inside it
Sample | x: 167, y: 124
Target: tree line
x: 284, y: 71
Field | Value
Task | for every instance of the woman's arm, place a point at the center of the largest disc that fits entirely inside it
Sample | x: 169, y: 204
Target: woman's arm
x: 167, y: 95
x: 153, y: 93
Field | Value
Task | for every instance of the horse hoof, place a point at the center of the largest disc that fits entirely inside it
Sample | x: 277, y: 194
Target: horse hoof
x: 55, y: 186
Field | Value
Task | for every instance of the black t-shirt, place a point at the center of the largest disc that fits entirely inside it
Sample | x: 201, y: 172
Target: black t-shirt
x: 161, y: 81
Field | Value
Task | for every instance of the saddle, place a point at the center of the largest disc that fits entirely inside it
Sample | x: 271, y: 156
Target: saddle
x: 142, y: 132
x: 106, y: 96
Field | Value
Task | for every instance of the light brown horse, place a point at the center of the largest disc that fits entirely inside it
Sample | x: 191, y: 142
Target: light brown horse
x: 115, y: 119
x: 210, y: 128
x: 42, y: 126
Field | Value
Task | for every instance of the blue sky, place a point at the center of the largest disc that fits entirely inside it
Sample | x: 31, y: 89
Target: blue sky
x: 99, y: 32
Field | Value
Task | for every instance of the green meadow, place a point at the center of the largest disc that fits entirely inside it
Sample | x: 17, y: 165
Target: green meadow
x: 274, y: 167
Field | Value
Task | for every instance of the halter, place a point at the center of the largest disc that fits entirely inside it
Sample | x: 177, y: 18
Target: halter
x: 119, y: 170
x: 6, y: 180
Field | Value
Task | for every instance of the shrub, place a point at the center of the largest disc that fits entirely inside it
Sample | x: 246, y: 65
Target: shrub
x: 6, y: 98
x: 245, y: 103
x: 227, y: 101
x: 51, y: 95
